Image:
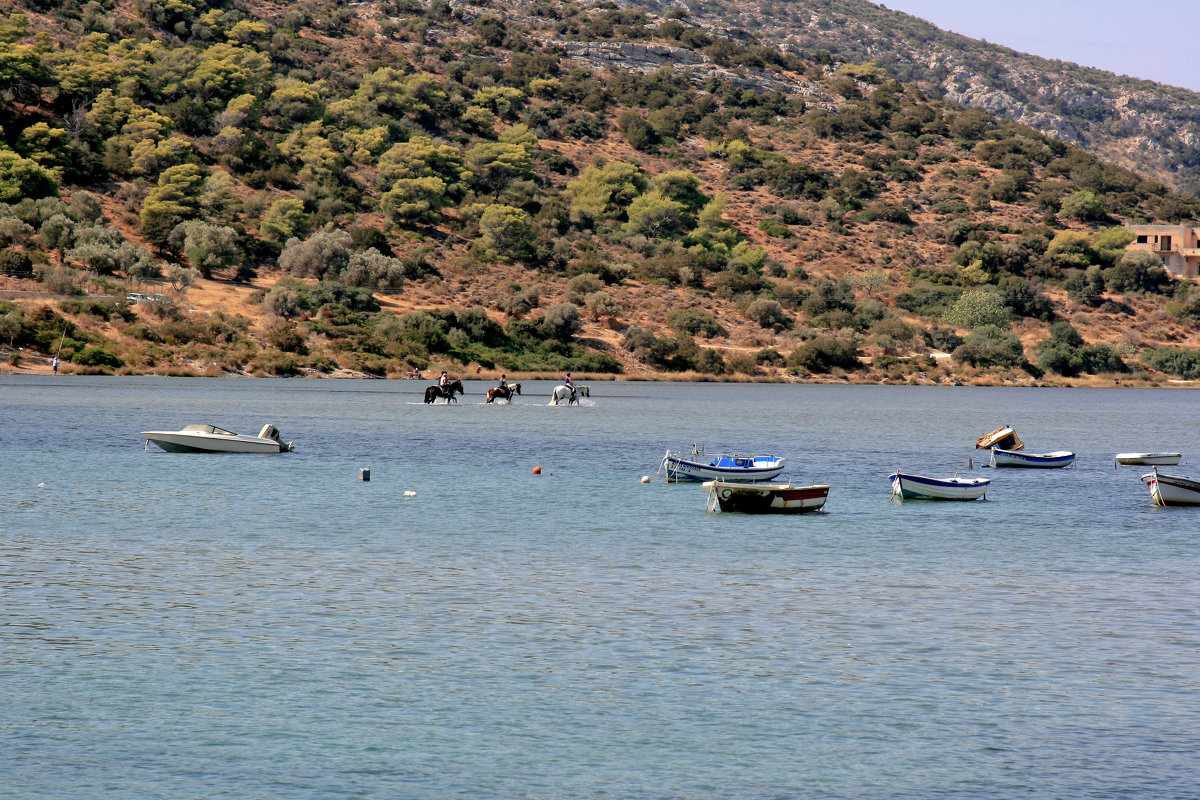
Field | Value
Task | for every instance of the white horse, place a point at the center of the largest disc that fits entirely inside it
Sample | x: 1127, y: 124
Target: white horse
x: 563, y: 393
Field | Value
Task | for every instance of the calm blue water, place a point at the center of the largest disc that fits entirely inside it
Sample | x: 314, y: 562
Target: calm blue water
x: 183, y: 626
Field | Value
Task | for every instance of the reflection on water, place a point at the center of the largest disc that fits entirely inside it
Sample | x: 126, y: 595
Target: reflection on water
x: 272, y: 627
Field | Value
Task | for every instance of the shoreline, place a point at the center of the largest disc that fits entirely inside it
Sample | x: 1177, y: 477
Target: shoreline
x: 41, y: 365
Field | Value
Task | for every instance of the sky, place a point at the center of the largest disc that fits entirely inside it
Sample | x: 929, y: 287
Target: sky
x: 1151, y: 39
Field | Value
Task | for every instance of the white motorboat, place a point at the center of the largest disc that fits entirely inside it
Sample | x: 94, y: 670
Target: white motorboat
x: 1011, y: 458
x: 1149, y: 459
x: 1172, y: 490
x: 211, y: 439
x: 908, y: 486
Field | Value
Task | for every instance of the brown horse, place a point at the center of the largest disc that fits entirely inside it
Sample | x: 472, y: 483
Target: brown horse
x: 435, y: 391
x: 502, y: 393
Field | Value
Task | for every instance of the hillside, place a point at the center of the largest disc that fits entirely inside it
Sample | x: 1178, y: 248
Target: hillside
x: 321, y: 189
x: 1148, y: 127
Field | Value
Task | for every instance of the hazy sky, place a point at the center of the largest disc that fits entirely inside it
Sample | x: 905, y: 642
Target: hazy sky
x: 1152, y: 39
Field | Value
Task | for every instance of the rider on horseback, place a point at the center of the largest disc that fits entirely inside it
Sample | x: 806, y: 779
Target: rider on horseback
x: 571, y: 386
x: 444, y: 382
x: 505, y: 391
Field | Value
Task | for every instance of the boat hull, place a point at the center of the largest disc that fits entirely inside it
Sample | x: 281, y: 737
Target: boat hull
x: 751, y: 468
x: 177, y: 442
x: 1149, y: 459
x: 907, y: 486
x: 765, y: 498
x: 1172, y: 490
x: 1011, y: 458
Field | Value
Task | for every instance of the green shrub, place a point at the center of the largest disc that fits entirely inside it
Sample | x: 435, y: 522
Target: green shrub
x: 929, y: 300
x: 96, y: 357
x: 979, y: 308
x: 773, y: 227
x: 1174, y: 361
x: 823, y: 354
x: 694, y: 321
x: 942, y: 339
x: 991, y: 346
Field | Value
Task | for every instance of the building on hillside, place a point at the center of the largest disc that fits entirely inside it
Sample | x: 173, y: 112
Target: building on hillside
x: 1177, y: 245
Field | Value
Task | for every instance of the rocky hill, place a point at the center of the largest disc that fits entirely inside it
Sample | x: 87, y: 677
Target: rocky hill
x: 322, y: 189
x: 1148, y: 127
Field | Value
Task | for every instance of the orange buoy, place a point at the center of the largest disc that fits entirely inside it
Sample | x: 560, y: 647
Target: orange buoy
x: 537, y: 470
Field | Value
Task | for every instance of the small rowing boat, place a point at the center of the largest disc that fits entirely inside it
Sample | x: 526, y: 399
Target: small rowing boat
x: 908, y: 486
x: 1148, y: 459
x: 1172, y: 490
x: 1011, y: 458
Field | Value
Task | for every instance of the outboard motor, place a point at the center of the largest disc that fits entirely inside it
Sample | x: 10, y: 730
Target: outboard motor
x: 271, y: 432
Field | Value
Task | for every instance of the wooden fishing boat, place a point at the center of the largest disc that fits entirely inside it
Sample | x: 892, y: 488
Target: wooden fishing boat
x: 908, y: 486
x: 1172, y: 490
x: 1011, y: 458
x: 1005, y: 438
x: 764, y: 498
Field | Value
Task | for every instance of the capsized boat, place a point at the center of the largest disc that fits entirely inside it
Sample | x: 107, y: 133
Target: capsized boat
x: 1005, y: 438
x: 1148, y: 459
x: 1011, y: 458
x: 908, y: 486
x: 1172, y: 490
x: 211, y: 439
x: 701, y: 466
x: 764, y: 498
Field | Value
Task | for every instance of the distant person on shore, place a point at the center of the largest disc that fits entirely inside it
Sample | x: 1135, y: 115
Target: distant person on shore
x: 54, y: 365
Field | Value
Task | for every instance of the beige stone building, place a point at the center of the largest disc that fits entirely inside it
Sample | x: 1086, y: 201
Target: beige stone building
x: 1177, y: 245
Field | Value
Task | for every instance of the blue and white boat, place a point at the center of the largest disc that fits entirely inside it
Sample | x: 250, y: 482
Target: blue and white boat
x: 908, y: 486
x: 1012, y: 458
x: 702, y: 466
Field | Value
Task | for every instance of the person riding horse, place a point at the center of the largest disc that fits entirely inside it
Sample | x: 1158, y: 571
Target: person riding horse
x: 571, y: 386
x: 505, y: 391
x: 444, y: 388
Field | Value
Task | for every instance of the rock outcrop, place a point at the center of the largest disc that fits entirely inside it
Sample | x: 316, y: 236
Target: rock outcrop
x: 1151, y: 128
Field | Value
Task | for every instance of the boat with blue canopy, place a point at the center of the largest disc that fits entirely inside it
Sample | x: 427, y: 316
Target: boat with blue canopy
x: 702, y: 466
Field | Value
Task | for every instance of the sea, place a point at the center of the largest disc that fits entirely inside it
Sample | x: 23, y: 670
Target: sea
x: 274, y: 627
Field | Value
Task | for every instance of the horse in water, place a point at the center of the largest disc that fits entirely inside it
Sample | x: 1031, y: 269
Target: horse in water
x: 563, y: 393
x: 502, y: 393
x: 435, y: 391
